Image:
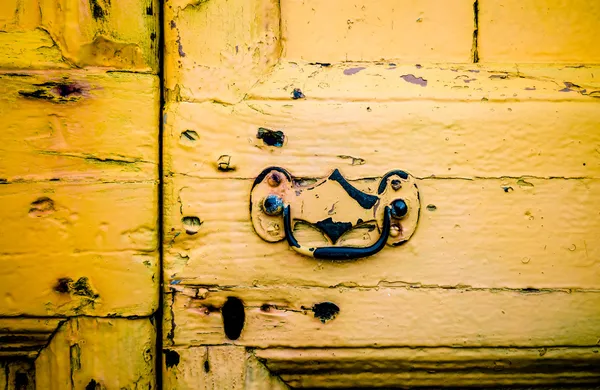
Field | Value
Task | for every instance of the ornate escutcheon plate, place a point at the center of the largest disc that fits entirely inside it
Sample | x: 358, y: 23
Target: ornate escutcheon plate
x: 332, y: 218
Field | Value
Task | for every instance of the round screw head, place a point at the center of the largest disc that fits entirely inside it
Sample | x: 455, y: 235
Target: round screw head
x: 399, y: 208
x: 273, y: 205
x: 274, y: 179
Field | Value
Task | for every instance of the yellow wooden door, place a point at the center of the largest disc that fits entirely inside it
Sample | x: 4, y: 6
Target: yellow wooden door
x: 490, y: 105
x: 79, y: 158
x: 138, y: 246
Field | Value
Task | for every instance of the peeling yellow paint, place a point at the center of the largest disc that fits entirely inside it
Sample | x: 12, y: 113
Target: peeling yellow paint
x: 493, y: 107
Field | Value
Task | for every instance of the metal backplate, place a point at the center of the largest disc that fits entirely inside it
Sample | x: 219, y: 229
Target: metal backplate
x: 332, y: 211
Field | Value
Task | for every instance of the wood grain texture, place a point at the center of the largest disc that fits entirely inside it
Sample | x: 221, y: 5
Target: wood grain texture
x: 284, y: 316
x: 359, y: 30
x: 433, y: 367
x: 218, y: 50
x: 111, y: 353
x: 25, y: 337
x: 78, y: 126
x: 41, y: 34
x: 490, y: 233
x: 122, y: 283
x: 216, y: 368
x: 56, y: 217
x: 552, y: 31
x: 425, y: 138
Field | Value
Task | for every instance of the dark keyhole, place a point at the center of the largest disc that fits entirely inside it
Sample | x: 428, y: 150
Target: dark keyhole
x: 233, y: 317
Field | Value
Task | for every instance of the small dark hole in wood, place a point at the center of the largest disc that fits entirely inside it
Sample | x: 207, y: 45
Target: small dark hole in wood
x: 21, y: 381
x: 206, y: 366
x: 233, y: 317
x: 171, y: 358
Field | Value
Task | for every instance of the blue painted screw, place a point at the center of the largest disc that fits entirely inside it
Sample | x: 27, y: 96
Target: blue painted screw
x: 273, y: 205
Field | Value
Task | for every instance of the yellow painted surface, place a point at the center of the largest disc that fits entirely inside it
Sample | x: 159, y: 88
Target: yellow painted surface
x: 459, y: 367
x: 216, y: 368
x: 506, y: 155
x: 502, y: 267
x: 555, y: 31
x: 78, y: 126
x: 79, y: 107
x: 466, y: 237
x: 38, y: 34
x: 358, y: 30
x: 108, y: 353
x: 218, y: 50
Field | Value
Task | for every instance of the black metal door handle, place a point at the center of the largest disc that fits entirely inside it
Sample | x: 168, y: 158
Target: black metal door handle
x: 334, y: 206
x: 337, y: 252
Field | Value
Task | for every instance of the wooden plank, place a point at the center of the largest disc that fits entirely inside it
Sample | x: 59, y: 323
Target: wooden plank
x: 78, y: 125
x: 453, y: 139
x: 111, y: 353
x: 298, y: 317
x: 55, y: 217
x: 25, y: 337
x: 216, y: 368
x: 219, y: 50
x: 52, y: 34
x: 562, y: 31
x: 122, y: 283
x: 384, y: 82
x: 360, y: 30
x: 473, y: 233
x: 434, y: 367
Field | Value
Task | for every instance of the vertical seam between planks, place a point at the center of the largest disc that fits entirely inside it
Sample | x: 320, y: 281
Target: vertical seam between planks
x: 158, y: 317
x: 475, y: 45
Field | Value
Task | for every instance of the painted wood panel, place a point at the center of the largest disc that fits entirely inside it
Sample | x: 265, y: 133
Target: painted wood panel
x: 290, y: 316
x: 78, y: 126
x: 40, y: 34
x: 479, y: 233
x: 99, y: 353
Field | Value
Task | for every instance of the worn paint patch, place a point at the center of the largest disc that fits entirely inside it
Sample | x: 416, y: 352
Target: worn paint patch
x: 297, y: 94
x: 56, y: 91
x: 191, y: 224
x: 269, y: 137
x: 410, y: 78
x: 351, y: 71
x: 42, y: 207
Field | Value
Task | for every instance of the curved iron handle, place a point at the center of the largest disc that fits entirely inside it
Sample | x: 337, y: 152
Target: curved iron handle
x: 337, y: 252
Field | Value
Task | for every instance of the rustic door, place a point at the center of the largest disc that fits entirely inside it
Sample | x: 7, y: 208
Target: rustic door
x: 497, y: 285
x: 299, y: 194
